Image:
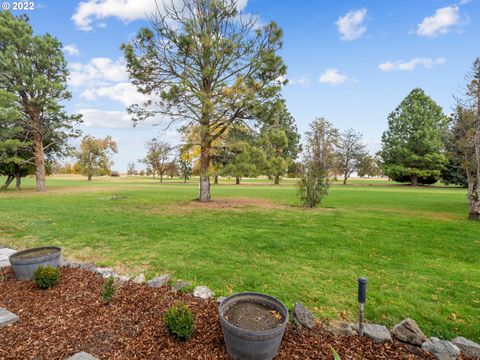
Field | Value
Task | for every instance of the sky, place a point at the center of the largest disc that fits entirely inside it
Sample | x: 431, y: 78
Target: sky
x: 351, y: 62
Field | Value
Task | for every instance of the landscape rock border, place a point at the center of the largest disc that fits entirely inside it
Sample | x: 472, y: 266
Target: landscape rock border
x: 407, y: 331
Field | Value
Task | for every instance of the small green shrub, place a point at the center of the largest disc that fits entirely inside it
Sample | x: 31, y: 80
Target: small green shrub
x: 179, y: 321
x: 46, y: 277
x: 109, y: 290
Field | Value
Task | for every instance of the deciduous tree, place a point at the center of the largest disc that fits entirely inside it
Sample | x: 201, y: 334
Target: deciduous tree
x: 95, y: 156
x: 184, y: 163
x: 351, y: 150
x: 318, y: 162
x: 158, y: 157
x: 131, y: 169
x: 203, y: 63
x: 369, y: 166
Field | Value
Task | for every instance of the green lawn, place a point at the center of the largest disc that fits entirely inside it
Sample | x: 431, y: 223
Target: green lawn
x: 419, y: 253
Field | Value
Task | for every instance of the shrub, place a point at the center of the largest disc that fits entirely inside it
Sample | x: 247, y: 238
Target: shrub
x: 179, y: 321
x: 109, y: 290
x: 313, y: 185
x: 46, y: 277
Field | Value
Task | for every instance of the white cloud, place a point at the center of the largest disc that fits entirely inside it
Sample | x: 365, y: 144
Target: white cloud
x: 440, y: 23
x: 71, y: 50
x: 410, y: 65
x: 351, y: 25
x: 98, y: 72
x: 106, y: 119
x: 303, y: 80
x: 333, y: 76
x: 123, y: 92
x: 125, y: 10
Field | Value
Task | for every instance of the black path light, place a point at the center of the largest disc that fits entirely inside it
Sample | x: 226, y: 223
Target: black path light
x: 362, y: 299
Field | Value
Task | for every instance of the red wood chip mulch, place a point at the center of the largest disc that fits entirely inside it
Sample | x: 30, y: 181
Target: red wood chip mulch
x: 70, y: 317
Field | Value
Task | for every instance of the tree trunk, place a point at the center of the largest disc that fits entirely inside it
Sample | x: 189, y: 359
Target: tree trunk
x: 237, y: 180
x: 185, y: 178
x: 7, y: 182
x: 161, y: 177
x: 89, y: 178
x: 345, y: 178
x: 39, y: 161
x: 18, y: 181
x: 215, y: 180
x: 204, y: 193
x: 474, y: 180
x: 277, y: 179
x: 414, y: 180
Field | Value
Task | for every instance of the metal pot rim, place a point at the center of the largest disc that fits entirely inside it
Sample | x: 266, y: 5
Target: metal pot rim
x: 33, y: 260
x: 277, y: 303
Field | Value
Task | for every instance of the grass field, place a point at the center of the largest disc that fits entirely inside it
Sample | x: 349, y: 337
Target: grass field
x: 420, y: 254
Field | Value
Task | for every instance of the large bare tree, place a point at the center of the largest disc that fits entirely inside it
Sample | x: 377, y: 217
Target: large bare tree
x: 351, y: 150
x: 204, y: 64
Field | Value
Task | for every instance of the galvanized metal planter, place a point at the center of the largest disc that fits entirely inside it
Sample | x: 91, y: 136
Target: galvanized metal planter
x: 247, y: 344
x: 24, y: 267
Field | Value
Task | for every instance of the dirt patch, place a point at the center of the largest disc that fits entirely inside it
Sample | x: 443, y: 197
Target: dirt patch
x: 253, y: 316
x: 220, y: 204
x: 70, y: 317
x: 237, y: 203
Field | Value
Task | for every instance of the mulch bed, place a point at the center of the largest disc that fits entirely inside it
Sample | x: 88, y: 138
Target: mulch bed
x: 70, y: 317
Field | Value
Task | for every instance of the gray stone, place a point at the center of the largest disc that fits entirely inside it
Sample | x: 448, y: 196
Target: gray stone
x: 159, y: 281
x: 180, y: 285
x: 441, y: 349
x: 87, y: 266
x: 341, y: 328
x: 303, y: 316
x: 203, y: 292
x: 70, y: 264
x: 104, y: 272
x: 4, y: 254
x: 377, y: 333
x: 220, y: 299
x: 82, y: 356
x: 123, y: 278
x: 467, y: 347
x: 7, y: 317
x: 139, y: 279
x: 409, y: 332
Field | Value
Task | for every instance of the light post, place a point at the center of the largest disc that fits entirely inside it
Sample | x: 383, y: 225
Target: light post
x: 362, y: 299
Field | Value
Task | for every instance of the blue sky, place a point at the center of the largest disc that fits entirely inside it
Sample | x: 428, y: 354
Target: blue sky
x: 349, y: 61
